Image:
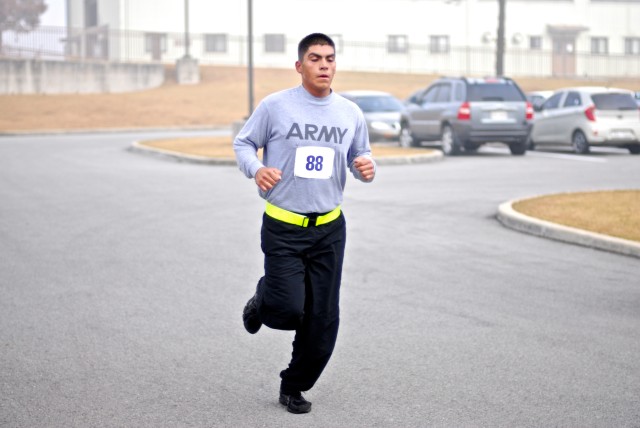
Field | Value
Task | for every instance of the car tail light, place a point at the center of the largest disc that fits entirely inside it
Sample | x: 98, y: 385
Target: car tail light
x: 529, y: 111
x: 590, y: 112
x: 464, y: 112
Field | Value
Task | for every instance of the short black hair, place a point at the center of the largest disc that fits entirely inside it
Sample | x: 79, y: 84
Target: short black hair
x: 313, y: 39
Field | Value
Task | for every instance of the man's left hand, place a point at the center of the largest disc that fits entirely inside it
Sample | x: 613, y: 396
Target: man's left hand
x: 365, y: 167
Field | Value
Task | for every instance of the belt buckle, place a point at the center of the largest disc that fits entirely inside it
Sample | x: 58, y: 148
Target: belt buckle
x: 311, y: 221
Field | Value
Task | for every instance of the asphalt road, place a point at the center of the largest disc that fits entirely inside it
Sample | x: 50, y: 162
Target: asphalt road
x: 123, y: 278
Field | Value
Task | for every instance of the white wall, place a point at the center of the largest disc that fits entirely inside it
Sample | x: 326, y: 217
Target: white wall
x: 367, y: 21
x: 370, y: 20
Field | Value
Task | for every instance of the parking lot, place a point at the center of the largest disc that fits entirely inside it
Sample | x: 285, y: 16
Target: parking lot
x: 124, y: 276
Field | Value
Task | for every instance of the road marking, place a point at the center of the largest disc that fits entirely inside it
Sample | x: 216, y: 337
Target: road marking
x: 579, y: 158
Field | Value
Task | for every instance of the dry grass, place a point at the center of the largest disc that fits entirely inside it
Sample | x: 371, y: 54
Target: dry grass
x: 221, y: 147
x: 613, y: 213
x: 222, y: 98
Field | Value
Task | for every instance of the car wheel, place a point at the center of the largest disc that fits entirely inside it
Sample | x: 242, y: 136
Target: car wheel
x: 518, y: 148
x: 580, y: 143
x: 634, y: 149
x: 449, y: 142
x: 406, y: 139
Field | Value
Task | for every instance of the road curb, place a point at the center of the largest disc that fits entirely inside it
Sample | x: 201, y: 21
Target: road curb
x: 139, y: 147
x: 515, y: 220
x: 433, y: 156
x: 45, y: 132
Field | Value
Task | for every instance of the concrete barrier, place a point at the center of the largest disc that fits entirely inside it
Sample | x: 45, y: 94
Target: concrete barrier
x: 34, y: 76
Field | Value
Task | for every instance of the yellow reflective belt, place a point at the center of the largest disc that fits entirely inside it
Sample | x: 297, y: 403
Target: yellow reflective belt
x: 299, y: 219
x: 328, y: 217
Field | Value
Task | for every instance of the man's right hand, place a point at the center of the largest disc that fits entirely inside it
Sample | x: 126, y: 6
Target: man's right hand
x: 266, y: 178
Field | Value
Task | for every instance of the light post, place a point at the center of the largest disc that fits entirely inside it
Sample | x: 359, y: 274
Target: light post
x: 238, y: 124
x: 250, y: 53
x: 187, y: 70
x: 500, y: 39
x: 187, y: 42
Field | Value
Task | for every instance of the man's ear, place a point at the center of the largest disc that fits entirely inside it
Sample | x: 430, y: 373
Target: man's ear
x: 298, y: 66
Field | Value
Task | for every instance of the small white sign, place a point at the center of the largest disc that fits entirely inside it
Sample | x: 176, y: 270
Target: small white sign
x: 314, y: 162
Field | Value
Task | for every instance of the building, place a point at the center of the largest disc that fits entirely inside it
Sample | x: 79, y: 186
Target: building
x: 585, y: 38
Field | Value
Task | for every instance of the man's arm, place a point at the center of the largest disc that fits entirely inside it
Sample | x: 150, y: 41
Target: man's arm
x: 266, y: 178
x: 366, y: 167
x: 363, y: 167
x: 251, y: 138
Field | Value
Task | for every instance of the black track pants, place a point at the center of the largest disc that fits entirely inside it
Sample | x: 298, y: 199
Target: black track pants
x: 301, y: 291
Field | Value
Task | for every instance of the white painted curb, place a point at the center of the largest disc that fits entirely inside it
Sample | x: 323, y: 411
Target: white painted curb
x: 136, y: 146
x: 518, y: 221
x: 139, y: 147
x: 433, y: 156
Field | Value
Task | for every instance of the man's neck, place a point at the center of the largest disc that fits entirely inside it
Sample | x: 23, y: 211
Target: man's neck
x: 318, y: 95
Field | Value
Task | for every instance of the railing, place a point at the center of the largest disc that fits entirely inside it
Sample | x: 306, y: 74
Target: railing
x: 104, y: 44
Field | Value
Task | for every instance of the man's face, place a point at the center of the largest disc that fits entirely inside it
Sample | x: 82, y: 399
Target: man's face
x: 317, y: 69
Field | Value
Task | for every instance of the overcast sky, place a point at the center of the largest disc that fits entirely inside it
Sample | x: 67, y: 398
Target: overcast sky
x: 56, y: 14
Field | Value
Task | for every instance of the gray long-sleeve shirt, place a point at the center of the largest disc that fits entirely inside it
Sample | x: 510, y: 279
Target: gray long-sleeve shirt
x: 311, y: 140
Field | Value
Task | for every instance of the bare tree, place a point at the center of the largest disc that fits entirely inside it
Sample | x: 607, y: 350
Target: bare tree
x: 20, y: 16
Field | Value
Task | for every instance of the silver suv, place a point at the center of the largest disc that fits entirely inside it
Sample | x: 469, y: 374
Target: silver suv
x: 464, y: 113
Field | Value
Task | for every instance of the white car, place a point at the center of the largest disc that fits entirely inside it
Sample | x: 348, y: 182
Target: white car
x: 385, y: 115
x: 588, y: 116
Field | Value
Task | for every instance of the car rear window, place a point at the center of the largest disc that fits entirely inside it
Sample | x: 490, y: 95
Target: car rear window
x: 506, y: 91
x: 614, y: 101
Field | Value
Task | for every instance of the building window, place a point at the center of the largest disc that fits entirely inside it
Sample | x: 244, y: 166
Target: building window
x: 535, y: 43
x: 215, y: 43
x: 274, y: 43
x: 599, y: 45
x: 397, y: 44
x: 439, y: 44
x: 632, y: 45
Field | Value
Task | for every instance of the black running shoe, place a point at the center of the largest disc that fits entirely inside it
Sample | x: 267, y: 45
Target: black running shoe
x: 250, y: 316
x: 295, y: 403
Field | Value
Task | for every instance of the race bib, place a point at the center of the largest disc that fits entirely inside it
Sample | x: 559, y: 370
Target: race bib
x: 314, y: 162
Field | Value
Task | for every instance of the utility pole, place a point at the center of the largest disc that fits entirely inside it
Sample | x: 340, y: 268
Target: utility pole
x: 187, y: 42
x: 500, y: 39
x: 238, y: 124
x: 250, y: 53
x: 187, y: 70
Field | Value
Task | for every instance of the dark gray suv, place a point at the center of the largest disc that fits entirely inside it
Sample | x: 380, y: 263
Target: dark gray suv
x: 464, y: 113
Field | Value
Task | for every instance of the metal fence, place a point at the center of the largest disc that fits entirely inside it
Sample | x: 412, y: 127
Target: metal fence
x: 104, y: 44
